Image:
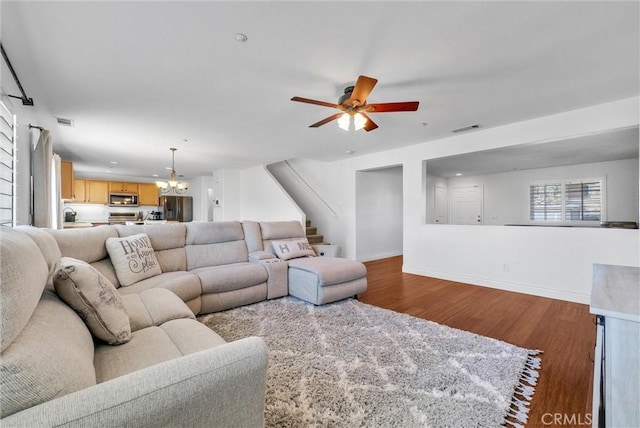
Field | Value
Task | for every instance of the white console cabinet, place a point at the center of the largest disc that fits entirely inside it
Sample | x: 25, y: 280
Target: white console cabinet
x: 615, y: 299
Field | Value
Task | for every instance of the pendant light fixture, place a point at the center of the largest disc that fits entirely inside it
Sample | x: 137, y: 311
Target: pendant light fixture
x: 173, y: 185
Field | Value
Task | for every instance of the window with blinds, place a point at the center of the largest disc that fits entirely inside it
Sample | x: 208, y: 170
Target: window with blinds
x: 7, y: 166
x: 567, y: 201
x: 583, y: 201
x: 545, y: 202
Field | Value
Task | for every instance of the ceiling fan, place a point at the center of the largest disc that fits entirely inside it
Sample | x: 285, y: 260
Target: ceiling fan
x: 353, y: 103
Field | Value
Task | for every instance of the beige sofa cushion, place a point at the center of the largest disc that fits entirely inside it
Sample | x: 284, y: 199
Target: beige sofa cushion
x: 199, y: 233
x: 86, y: 244
x: 329, y: 270
x: 133, y: 258
x: 162, y: 236
x: 28, y: 373
x: 154, y: 345
x: 215, y: 244
x: 168, y: 241
x: 280, y: 230
x: 154, y: 307
x: 48, y: 247
x: 94, y: 298
x: 218, y: 279
x: 23, y: 275
x: 185, y: 285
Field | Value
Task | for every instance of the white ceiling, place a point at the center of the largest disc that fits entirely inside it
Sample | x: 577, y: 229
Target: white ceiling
x: 140, y: 77
x: 601, y: 147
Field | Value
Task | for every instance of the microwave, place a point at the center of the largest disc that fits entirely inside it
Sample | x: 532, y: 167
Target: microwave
x: 123, y: 200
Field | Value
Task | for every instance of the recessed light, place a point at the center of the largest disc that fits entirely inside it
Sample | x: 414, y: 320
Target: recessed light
x: 155, y: 175
x: 458, y: 174
x: 349, y: 152
x: 168, y: 167
x: 241, y: 37
x: 113, y: 162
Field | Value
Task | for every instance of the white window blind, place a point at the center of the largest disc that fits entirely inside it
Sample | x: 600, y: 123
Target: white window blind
x: 545, y: 202
x: 569, y: 201
x: 583, y: 201
x: 7, y: 166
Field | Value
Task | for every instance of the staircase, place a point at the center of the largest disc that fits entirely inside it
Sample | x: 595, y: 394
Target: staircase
x: 312, y: 235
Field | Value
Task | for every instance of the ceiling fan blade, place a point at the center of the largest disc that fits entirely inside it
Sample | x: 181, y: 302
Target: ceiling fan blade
x: 387, y: 107
x: 370, y: 125
x: 364, y: 85
x: 326, y: 120
x: 316, y: 102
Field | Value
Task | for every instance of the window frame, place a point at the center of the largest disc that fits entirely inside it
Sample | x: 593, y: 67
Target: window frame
x: 563, y: 182
x: 8, y: 118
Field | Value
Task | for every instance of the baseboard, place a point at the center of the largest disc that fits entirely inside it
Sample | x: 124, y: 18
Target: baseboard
x: 501, y: 285
x: 378, y: 256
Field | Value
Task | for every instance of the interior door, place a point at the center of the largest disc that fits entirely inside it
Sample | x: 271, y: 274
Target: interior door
x: 441, y: 204
x: 466, y: 204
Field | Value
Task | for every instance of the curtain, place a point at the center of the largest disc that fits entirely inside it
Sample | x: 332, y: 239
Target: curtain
x: 56, y: 192
x: 45, y: 176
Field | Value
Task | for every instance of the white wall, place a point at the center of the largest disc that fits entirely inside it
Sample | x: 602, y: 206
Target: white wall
x: 379, y: 213
x: 198, y: 187
x: 317, y: 192
x: 227, y: 195
x: 506, y: 195
x: 552, y: 262
x: 252, y: 194
x: 264, y: 200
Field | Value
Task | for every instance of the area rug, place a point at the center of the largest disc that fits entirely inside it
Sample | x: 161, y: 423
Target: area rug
x: 349, y: 364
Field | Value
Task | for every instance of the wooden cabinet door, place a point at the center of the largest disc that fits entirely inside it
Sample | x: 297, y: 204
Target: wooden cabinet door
x: 122, y: 187
x: 130, y: 187
x: 115, y: 186
x: 66, y: 180
x: 97, y: 192
x: 147, y: 194
x: 79, y: 194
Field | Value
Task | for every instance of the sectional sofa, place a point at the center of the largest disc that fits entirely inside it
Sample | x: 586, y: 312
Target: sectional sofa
x: 69, y: 356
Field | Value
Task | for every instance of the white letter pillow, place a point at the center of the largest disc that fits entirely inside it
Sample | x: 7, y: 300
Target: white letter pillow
x: 94, y: 298
x: 292, y: 248
x: 133, y: 258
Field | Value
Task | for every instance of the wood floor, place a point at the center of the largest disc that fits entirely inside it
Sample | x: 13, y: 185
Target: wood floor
x: 564, y: 331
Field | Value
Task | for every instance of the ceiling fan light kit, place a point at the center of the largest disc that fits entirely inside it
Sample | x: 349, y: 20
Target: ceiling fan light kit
x: 173, y: 185
x: 354, y: 104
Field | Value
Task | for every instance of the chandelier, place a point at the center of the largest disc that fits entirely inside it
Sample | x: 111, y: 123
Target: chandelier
x: 173, y: 185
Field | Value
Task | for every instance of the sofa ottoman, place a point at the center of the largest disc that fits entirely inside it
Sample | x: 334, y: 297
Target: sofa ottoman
x: 316, y: 280
x: 321, y: 280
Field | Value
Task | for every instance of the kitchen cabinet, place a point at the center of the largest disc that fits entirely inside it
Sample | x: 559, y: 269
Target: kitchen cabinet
x: 147, y: 194
x: 122, y: 187
x: 66, y: 180
x: 79, y: 194
x: 97, y: 192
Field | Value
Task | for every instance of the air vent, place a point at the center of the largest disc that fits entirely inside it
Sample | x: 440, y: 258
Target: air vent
x: 64, y: 122
x: 466, y: 128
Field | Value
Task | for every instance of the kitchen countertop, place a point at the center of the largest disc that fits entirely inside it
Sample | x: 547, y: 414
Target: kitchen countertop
x: 616, y: 292
x: 76, y: 224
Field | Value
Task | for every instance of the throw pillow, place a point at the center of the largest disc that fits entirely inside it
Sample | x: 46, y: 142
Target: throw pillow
x: 292, y: 248
x: 133, y: 258
x: 94, y: 298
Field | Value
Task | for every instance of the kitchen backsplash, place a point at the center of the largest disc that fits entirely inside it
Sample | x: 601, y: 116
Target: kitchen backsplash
x: 95, y: 212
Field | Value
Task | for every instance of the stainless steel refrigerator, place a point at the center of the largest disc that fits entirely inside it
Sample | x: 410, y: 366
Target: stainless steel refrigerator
x: 176, y: 208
